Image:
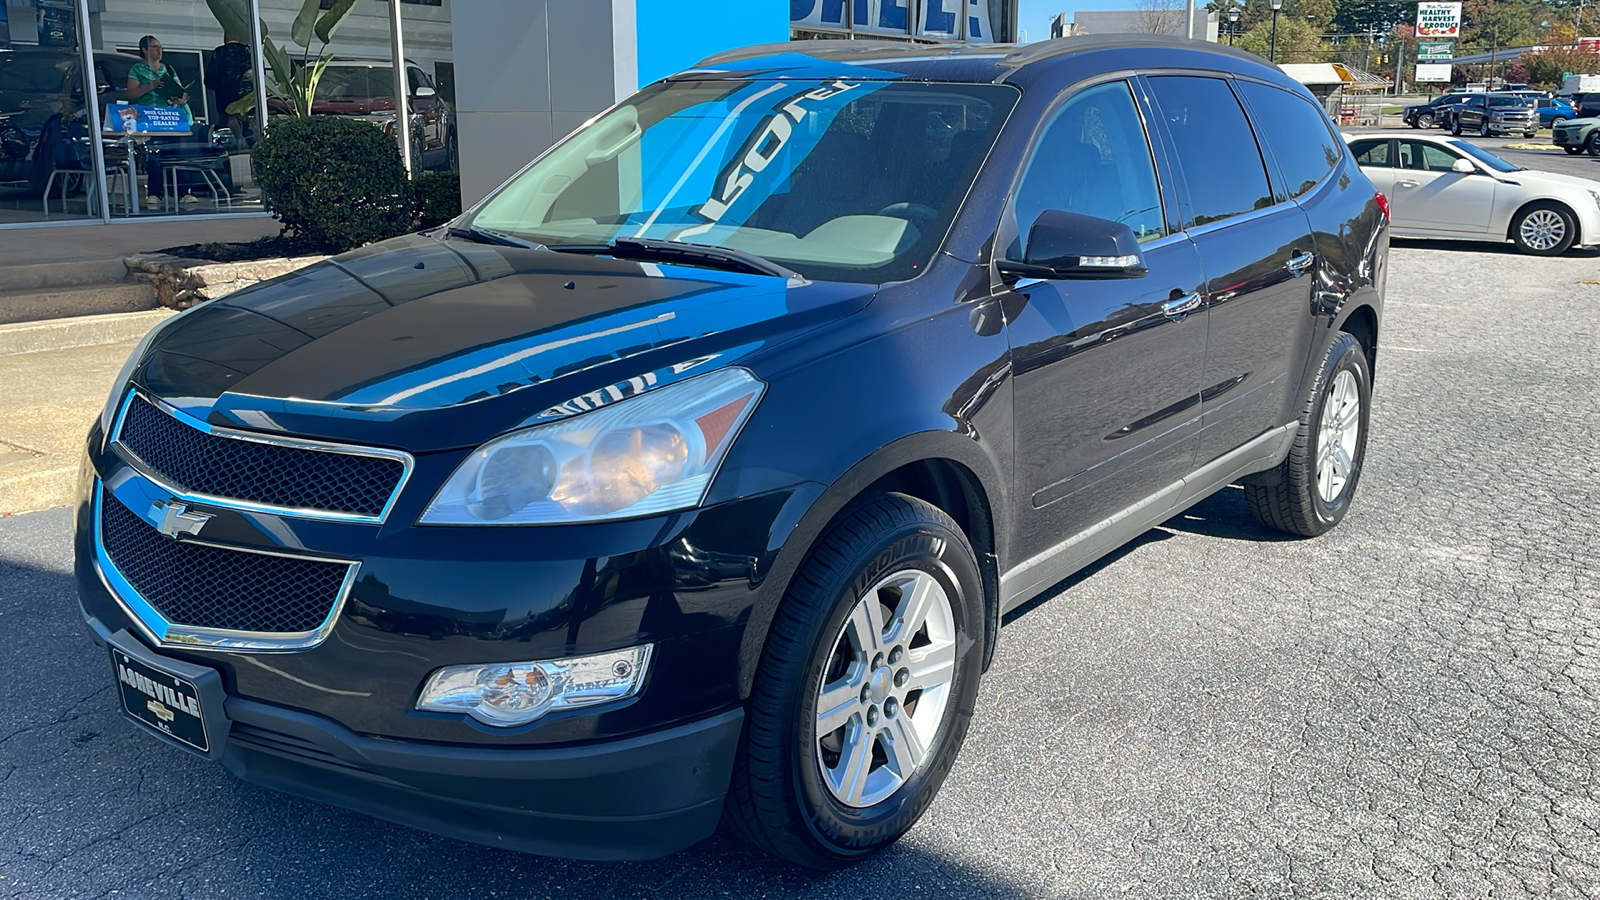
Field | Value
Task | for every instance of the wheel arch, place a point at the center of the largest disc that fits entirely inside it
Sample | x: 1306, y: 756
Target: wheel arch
x: 1516, y: 216
x: 942, y: 468
x: 1361, y: 322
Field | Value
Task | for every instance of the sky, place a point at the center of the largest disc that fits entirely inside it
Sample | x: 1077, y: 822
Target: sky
x: 1033, y: 16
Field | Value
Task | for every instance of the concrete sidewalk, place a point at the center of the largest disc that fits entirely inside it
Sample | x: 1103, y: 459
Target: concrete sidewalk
x: 47, y: 401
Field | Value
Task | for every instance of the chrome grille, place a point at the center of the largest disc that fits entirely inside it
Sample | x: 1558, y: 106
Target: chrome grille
x: 277, y: 475
x: 204, y: 586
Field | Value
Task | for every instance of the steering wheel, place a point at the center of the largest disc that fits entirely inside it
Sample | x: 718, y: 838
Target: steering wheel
x: 918, y: 214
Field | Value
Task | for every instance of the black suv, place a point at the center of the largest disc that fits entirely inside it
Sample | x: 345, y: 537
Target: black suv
x: 1426, y: 115
x: 690, y: 474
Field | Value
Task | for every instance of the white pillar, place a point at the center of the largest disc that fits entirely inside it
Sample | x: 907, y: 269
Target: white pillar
x: 528, y: 72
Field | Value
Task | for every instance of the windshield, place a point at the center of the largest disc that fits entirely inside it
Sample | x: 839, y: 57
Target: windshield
x: 837, y: 180
x: 1485, y: 157
x: 356, y: 83
x: 1510, y: 101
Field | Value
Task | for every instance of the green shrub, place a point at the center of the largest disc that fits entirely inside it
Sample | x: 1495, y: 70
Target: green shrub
x: 332, y: 181
x: 438, y: 196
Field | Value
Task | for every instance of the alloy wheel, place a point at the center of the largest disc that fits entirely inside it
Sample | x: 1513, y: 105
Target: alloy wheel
x: 1542, y: 229
x: 1337, y: 436
x: 885, y: 688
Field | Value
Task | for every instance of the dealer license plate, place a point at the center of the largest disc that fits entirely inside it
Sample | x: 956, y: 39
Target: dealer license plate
x: 160, y: 699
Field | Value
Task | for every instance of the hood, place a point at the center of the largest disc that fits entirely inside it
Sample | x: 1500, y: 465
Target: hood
x: 1548, y: 180
x: 425, y: 344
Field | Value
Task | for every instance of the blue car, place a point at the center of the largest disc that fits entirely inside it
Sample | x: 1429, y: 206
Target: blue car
x: 1553, y: 110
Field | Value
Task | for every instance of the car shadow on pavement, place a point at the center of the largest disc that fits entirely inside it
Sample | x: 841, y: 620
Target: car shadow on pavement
x: 92, y: 806
x: 1507, y: 247
x: 1225, y: 514
x: 1152, y: 536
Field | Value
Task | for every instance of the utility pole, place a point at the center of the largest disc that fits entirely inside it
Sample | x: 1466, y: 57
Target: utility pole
x: 1190, y: 32
x: 1272, y: 54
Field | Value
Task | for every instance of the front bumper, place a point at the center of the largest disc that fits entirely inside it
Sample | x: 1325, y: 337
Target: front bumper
x: 634, y: 798
x: 337, y: 722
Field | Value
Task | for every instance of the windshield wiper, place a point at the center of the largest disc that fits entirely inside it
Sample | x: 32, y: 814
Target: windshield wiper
x: 490, y: 236
x: 680, y: 251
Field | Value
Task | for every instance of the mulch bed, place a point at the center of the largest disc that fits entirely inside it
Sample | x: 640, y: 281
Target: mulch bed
x: 273, y: 247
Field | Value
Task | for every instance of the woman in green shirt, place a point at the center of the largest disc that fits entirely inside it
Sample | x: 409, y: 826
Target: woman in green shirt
x: 152, y: 82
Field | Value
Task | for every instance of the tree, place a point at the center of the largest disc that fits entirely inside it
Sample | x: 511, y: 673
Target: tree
x: 1546, y: 67
x: 1355, y: 16
x: 1298, y: 41
x: 1161, y: 16
x: 1488, y: 24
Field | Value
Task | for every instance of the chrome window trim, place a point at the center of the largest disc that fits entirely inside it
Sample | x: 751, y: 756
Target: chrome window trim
x: 145, y: 470
x: 165, y: 633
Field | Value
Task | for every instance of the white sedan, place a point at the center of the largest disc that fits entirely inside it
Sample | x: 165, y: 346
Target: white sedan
x: 1444, y: 187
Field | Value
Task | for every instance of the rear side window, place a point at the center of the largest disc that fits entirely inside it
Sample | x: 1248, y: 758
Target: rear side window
x: 1215, y: 145
x: 1372, y: 153
x: 1298, y: 134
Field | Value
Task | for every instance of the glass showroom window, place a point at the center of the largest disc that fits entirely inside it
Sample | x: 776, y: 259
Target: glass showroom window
x: 175, y: 109
x: 47, y: 160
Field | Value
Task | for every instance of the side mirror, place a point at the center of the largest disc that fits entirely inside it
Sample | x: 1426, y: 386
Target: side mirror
x: 1463, y: 167
x: 425, y: 91
x: 1070, y: 245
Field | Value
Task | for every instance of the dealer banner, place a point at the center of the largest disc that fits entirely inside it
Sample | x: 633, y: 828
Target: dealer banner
x: 1438, y: 20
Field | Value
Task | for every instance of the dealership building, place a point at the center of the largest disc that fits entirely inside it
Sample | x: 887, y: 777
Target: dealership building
x: 491, y: 83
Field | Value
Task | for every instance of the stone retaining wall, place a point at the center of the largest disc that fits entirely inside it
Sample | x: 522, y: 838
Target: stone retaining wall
x: 181, y: 283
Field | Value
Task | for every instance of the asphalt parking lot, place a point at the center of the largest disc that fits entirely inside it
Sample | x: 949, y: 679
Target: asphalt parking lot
x: 1407, y: 707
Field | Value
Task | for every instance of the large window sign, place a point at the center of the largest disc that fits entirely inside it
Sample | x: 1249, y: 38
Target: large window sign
x: 972, y: 20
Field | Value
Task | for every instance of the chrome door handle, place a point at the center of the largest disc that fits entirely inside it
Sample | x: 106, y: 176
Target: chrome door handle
x: 1405, y: 184
x: 1182, y: 306
x: 1300, y: 262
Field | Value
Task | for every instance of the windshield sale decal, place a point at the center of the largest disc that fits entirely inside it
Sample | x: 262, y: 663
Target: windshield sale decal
x: 759, y: 153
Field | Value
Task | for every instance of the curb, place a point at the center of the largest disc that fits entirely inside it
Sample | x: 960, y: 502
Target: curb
x: 79, y: 331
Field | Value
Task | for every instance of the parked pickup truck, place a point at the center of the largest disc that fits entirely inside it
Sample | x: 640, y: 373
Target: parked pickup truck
x: 1488, y: 114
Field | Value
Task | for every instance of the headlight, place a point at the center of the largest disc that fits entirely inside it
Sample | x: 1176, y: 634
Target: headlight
x: 507, y: 694
x: 648, y: 454
x: 1596, y: 196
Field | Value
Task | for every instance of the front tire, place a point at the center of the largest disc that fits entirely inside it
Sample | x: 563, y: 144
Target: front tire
x: 1310, y: 491
x: 1544, y: 229
x: 1424, y: 121
x: 1455, y: 127
x: 1572, y: 151
x: 865, y: 689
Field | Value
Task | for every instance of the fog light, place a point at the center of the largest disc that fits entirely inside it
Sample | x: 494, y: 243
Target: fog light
x: 506, y: 694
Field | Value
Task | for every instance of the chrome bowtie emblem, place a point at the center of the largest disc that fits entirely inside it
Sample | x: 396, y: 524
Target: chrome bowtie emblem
x: 176, y: 518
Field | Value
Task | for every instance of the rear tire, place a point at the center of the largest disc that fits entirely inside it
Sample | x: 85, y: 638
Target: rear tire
x: 1483, y: 130
x: 1593, y: 143
x: 830, y: 788
x: 1310, y: 491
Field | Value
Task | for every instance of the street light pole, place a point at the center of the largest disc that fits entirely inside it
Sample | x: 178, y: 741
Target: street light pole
x: 1233, y: 23
x: 1273, y: 51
